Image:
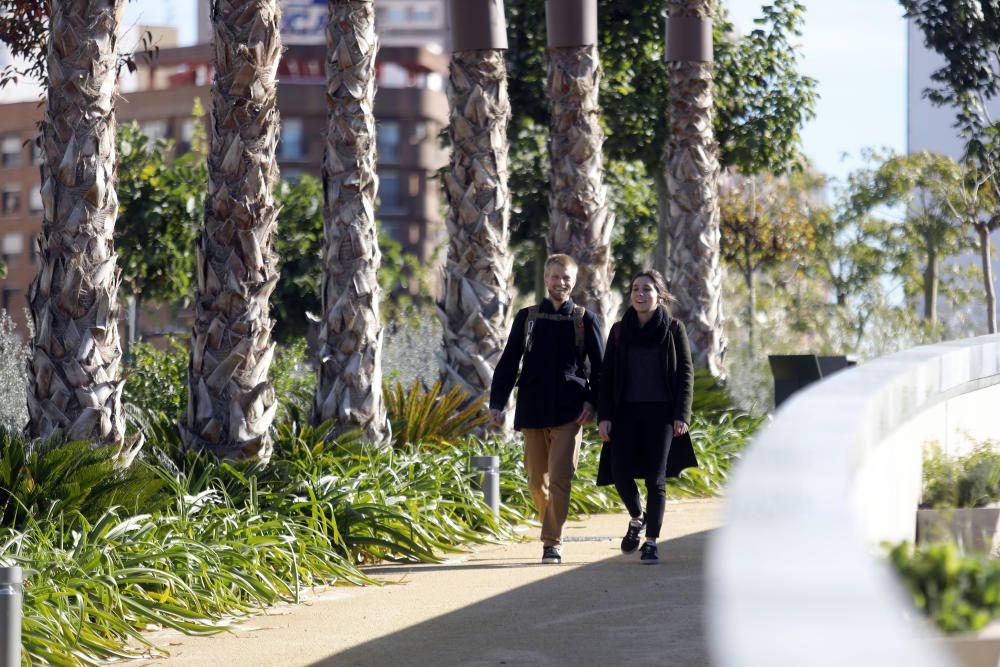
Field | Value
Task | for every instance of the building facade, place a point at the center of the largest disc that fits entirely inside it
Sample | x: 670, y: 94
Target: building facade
x: 411, y: 110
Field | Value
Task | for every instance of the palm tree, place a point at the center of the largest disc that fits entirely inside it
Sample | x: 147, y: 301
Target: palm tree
x: 692, y: 167
x: 231, y: 402
x: 580, y: 223
x: 349, y: 387
x: 74, y: 383
x: 475, y: 307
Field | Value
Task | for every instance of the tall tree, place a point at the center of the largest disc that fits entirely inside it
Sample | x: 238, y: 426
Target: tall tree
x: 966, y: 34
x: 231, y: 402
x: 475, y: 308
x: 349, y: 382
x: 692, y: 167
x: 73, y: 378
x: 580, y: 222
x: 764, y: 221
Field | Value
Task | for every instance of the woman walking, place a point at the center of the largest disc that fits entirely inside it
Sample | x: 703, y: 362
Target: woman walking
x: 644, y: 408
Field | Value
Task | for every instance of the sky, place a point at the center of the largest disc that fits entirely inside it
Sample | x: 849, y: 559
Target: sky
x: 855, y: 49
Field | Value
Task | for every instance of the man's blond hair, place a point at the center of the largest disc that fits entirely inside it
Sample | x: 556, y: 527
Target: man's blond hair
x: 564, y: 261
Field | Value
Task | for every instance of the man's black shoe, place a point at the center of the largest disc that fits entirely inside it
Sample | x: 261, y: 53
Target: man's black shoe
x: 649, y: 556
x: 551, y: 555
x: 631, y: 540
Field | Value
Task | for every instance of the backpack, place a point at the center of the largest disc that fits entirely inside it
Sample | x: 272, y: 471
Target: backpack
x: 576, y: 318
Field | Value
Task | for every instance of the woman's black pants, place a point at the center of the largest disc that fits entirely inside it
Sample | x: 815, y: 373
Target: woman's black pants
x: 640, y: 435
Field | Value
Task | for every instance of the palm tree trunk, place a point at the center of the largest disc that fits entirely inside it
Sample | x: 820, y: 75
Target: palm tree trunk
x: 231, y: 402
x: 73, y: 377
x: 692, y: 180
x: 931, y: 287
x: 349, y: 386
x: 475, y: 308
x: 580, y: 223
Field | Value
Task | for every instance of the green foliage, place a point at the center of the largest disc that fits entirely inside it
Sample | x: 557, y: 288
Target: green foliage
x: 761, y: 100
x: 429, y: 418
x: 39, y: 478
x: 710, y: 396
x: 718, y: 441
x: 958, y: 593
x: 971, y: 480
x: 293, y: 377
x: 161, y: 203
x: 156, y: 380
x: 632, y: 194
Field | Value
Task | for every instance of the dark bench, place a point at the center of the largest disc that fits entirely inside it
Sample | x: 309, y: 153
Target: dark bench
x: 794, y: 371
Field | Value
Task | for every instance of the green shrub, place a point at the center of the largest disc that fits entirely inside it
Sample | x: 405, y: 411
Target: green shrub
x: 156, y: 380
x: 13, y: 375
x: 958, y: 593
x: 972, y: 480
x: 429, y: 418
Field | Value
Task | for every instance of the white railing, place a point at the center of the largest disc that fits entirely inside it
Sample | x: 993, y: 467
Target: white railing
x: 795, y: 576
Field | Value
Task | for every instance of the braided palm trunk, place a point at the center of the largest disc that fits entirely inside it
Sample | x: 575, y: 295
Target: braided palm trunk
x: 73, y: 377
x: 475, y: 309
x: 349, y: 388
x: 580, y: 222
x: 231, y: 402
x: 692, y: 167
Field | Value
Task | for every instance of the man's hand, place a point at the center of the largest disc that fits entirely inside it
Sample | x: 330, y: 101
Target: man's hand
x: 586, y: 415
x: 496, y: 418
x: 604, y: 428
x: 680, y: 428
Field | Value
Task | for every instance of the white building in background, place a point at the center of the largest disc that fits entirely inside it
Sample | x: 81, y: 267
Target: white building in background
x: 931, y: 128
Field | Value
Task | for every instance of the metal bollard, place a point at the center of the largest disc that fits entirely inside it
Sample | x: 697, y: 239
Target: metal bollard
x: 11, y: 588
x: 489, y: 480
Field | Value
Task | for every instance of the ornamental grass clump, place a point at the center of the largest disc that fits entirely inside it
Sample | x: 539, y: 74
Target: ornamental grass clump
x: 971, y: 480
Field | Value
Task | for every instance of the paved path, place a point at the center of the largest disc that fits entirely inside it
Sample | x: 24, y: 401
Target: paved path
x: 497, y: 605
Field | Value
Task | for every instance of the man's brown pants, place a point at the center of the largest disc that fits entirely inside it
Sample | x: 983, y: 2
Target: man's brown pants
x: 550, y: 458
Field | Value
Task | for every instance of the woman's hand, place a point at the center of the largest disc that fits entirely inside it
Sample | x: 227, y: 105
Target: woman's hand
x: 680, y: 428
x: 604, y: 428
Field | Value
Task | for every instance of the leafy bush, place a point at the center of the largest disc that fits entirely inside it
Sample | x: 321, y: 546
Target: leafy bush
x: 156, y: 380
x: 959, y: 593
x: 13, y: 375
x: 972, y: 480
x: 718, y: 441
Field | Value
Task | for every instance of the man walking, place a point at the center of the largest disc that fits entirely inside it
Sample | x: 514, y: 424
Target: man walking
x: 552, y: 343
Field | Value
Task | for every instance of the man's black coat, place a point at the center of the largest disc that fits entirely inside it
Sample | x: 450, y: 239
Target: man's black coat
x: 553, y: 382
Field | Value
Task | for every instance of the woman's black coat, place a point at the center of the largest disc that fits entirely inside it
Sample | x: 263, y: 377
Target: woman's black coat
x: 679, y: 373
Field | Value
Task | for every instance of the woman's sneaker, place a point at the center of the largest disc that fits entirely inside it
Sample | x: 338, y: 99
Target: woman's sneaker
x: 551, y: 555
x: 649, y: 555
x: 631, y: 540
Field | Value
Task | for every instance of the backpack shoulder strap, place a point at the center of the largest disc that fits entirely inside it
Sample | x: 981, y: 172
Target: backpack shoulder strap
x: 578, y: 313
x: 529, y: 326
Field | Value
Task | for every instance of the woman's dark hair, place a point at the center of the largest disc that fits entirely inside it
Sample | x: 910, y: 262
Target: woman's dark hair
x: 666, y: 298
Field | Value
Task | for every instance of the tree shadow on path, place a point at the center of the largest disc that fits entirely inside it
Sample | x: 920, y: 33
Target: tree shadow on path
x: 610, y: 612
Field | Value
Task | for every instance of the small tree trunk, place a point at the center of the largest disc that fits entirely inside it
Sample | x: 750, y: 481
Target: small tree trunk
x: 580, y: 222
x: 930, y: 288
x: 349, y: 382
x: 475, y: 308
x: 73, y: 378
x: 751, y: 297
x: 990, y: 295
x: 231, y: 402
x: 661, y: 251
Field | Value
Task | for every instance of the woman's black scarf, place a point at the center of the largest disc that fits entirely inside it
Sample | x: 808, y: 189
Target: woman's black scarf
x: 653, y: 333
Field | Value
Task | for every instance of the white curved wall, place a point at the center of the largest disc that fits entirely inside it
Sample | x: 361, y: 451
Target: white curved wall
x: 795, y: 577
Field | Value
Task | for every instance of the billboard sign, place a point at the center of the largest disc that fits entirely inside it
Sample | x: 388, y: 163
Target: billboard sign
x: 304, y: 21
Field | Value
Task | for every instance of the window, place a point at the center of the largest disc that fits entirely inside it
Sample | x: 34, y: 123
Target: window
x: 154, y: 129
x: 187, y: 136
x: 10, y: 151
x: 10, y: 199
x: 35, y: 199
x: 390, y: 193
x: 290, y: 141
x: 37, y: 154
x: 419, y: 133
x: 12, y: 245
x: 391, y: 75
x: 8, y: 297
x: 388, y: 141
